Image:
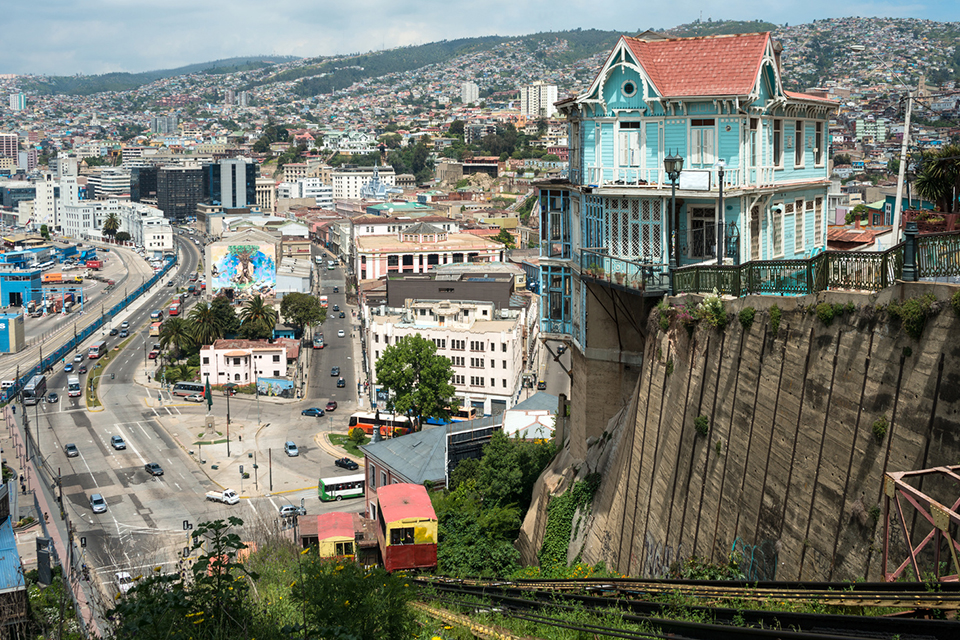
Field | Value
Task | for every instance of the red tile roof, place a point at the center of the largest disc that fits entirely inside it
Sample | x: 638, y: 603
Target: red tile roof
x: 403, y: 501
x: 711, y: 66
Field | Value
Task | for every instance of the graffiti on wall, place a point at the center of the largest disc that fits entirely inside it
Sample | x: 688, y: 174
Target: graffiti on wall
x: 244, y: 267
x: 278, y: 387
x: 757, y: 561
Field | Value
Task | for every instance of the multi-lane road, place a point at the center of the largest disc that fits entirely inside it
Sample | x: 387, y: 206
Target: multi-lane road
x: 144, y: 522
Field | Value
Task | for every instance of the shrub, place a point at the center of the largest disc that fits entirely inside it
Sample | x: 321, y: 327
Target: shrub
x: 688, y: 317
x: 913, y: 313
x: 669, y: 366
x: 663, y: 314
x: 712, y: 310
x: 955, y: 302
x: 719, y: 447
x: 746, y: 317
x: 775, y: 315
x: 825, y: 313
x: 702, y: 425
x: 880, y: 426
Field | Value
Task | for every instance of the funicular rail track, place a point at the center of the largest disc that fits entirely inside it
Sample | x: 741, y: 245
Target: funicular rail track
x: 725, y: 605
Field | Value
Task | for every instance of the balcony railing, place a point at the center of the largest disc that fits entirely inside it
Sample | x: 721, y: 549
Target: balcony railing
x: 639, y: 276
x: 733, y: 177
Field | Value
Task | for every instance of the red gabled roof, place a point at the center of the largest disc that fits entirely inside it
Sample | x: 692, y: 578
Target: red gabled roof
x: 403, y: 501
x: 711, y: 66
x: 807, y: 96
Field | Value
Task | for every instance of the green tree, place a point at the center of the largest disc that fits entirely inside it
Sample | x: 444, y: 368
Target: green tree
x: 178, y: 372
x: 418, y: 378
x: 45, y: 231
x: 456, y: 128
x: 177, y: 333
x: 939, y: 177
x: 257, y: 319
x: 213, y: 603
x: 505, y: 238
x: 111, y: 225
x: 226, y: 316
x: 122, y: 236
x: 346, y: 601
x: 204, y: 324
x: 300, y: 310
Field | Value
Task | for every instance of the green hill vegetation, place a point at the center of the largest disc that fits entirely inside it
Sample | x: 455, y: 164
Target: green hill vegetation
x: 721, y: 28
x: 121, y: 81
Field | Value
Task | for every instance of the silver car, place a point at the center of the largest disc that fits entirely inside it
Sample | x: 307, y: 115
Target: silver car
x: 98, y: 504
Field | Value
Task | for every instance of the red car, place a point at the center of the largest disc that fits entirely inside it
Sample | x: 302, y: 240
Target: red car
x: 153, y: 355
x: 332, y: 405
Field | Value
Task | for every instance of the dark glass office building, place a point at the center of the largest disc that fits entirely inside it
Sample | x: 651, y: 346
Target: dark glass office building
x: 179, y: 189
x: 230, y: 183
x: 143, y: 183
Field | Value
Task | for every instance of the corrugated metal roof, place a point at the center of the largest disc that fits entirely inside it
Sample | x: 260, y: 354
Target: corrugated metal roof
x: 403, y: 501
x: 11, y: 572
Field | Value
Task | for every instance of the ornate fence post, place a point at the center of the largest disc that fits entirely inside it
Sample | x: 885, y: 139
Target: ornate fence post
x: 910, y: 252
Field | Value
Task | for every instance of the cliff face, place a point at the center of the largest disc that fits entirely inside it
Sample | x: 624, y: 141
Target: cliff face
x: 791, y: 469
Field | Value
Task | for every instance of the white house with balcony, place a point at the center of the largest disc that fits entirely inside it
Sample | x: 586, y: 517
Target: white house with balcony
x: 241, y: 362
x: 484, y: 345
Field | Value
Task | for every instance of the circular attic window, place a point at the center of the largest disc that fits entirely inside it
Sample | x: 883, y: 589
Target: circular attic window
x: 628, y: 89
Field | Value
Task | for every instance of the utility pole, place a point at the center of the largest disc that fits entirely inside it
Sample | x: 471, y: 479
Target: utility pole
x: 897, y: 235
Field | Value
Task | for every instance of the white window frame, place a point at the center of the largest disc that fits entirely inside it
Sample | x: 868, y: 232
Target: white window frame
x: 799, y: 224
x: 819, y: 141
x: 629, y: 144
x: 776, y: 230
x: 798, y: 155
x: 818, y: 222
x: 703, y: 140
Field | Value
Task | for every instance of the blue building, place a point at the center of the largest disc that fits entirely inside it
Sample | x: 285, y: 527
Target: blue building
x: 12, y: 338
x: 754, y: 171
x: 17, y: 287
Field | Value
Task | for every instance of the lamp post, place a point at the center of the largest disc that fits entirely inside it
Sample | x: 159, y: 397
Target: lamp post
x: 256, y: 389
x: 673, y: 165
x: 720, y: 220
x: 229, y: 388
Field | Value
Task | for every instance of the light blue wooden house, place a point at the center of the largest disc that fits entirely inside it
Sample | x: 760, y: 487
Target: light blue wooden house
x: 719, y: 104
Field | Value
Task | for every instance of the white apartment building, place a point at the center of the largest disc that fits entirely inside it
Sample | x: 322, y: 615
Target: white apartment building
x: 266, y: 195
x: 18, y: 102
x: 348, y: 181
x: 110, y: 181
x: 484, y: 345
x: 242, y: 361
x: 147, y: 227
x: 469, y: 92
x: 307, y: 188
x: 537, y: 100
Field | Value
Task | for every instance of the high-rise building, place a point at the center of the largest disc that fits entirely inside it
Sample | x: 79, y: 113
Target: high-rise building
x: 18, y: 102
x: 179, y: 189
x: 537, y: 100
x: 469, y: 92
x: 230, y: 183
x: 9, y: 145
x: 143, y: 183
x: 244, y: 99
x: 164, y: 125
x: 229, y: 97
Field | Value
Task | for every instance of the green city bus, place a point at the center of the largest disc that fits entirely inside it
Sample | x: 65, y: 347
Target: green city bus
x: 341, y: 487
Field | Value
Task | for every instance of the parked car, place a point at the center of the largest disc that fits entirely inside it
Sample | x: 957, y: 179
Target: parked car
x: 340, y: 333
x: 289, y: 510
x: 153, y: 354
x: 117, y: 443
x: 71, y: 450
x: 332, y: 405
x: 194, y: 397
x: 153, y: 469
x: 312, y: 411
x: 291, y: 449
x: 52, y: 397
x: 97, y: 503
x: 341, y: 383
x: 346, y: 463
x: 335, y: 371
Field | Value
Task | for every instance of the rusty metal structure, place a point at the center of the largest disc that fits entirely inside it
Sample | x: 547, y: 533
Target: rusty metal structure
x: 943, y: 521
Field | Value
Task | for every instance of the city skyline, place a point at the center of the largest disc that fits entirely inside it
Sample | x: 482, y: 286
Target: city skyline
x: 64, y: 38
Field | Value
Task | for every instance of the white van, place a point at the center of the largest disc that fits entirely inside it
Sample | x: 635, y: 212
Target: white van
x: 6, y: 384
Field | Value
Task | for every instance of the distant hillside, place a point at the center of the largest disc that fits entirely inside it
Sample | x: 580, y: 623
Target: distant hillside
x: 332, y: 74
x: 721, y: 28
x: 86, y: 85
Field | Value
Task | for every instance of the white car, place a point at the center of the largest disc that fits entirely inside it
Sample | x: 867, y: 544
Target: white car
x: 195, y: 397
x: 124, y: 582
x: 340, y: 333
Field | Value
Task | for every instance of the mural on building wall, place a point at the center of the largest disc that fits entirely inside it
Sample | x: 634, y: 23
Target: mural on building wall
x: 244, y: 267
x: 279, y: 387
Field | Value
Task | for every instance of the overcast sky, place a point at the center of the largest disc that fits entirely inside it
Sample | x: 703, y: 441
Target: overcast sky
x: 63, y: 37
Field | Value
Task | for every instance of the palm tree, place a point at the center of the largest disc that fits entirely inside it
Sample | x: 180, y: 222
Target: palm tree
x: 261, y: 317
x: 204, y: 324
x: 179, y: 372
x: 176, y: 332
x: 111, y: 225
x: 939, y: 177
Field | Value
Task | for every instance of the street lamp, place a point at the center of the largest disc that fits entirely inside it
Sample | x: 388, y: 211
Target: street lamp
x: 720, y: 219
x: 673, y: 165
x: 229, y: 388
